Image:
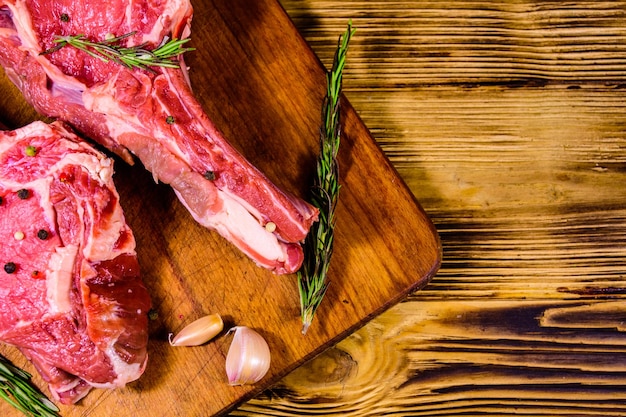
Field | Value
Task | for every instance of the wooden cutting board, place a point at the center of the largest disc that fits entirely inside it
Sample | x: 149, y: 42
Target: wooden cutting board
x: 263, y: 86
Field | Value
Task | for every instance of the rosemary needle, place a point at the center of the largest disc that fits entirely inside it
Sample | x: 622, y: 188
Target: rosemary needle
x: 132, y: 57
x: 318, y: 245
x: 16, y: 389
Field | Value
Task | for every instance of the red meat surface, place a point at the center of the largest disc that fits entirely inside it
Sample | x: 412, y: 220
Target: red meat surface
x: 71, y: 296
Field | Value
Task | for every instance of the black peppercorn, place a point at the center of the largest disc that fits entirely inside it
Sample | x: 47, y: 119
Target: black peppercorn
x: 209, y: 175
x: 23, y: 194
x: 10, y: 267
x: 42, y: 234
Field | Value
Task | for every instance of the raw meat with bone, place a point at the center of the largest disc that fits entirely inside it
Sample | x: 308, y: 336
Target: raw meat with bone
x: 129, y: 109
x: 71, y: 296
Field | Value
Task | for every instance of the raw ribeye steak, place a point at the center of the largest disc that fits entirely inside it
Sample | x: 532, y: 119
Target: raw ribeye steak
x: 71, y: 297
x: 151, y: 113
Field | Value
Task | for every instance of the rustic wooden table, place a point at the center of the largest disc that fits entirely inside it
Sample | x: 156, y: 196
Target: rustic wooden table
x: 506, y: 120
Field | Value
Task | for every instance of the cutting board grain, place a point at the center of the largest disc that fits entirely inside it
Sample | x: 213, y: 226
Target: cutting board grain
x: 263, y: 86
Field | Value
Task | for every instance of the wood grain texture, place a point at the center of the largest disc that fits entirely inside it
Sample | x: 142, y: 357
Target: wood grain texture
x: 267, y: 101
x: 507, y: 121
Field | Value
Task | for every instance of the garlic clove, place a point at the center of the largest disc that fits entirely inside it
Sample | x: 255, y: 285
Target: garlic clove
x: 248, y: 358
x: 199, y: 331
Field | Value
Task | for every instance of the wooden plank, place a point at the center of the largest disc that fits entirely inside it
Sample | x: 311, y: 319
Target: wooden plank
x: 417, y: 43
x: 454, y: 358
x: 267, y: 99
x: 506, y: 120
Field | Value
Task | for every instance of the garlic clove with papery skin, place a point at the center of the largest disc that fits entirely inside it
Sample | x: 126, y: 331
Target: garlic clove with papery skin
x: 248, y: 358
x: 199, y: 331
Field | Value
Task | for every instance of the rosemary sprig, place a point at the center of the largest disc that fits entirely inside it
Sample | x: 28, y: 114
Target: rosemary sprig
x: 132, y: 57
x: 15, y: 389
x: 318, y: 245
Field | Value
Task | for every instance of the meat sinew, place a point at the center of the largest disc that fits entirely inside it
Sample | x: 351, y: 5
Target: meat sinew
x: 71, y: 297
x: 151, y: 114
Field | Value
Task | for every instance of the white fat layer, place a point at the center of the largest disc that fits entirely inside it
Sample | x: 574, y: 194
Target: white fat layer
x: 100, y: 100
x: 24, y: 25
x: 124, y: 371
x: 56, y: 390
x: 59, y: 279
x: 235, y: 221
x: 103, y: 248
x: 100, y: 168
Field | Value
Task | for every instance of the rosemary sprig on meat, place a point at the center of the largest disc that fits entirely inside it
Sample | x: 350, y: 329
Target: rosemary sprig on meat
x: 318, y: 245
x: 132, y: 57
x: 16, y: 389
